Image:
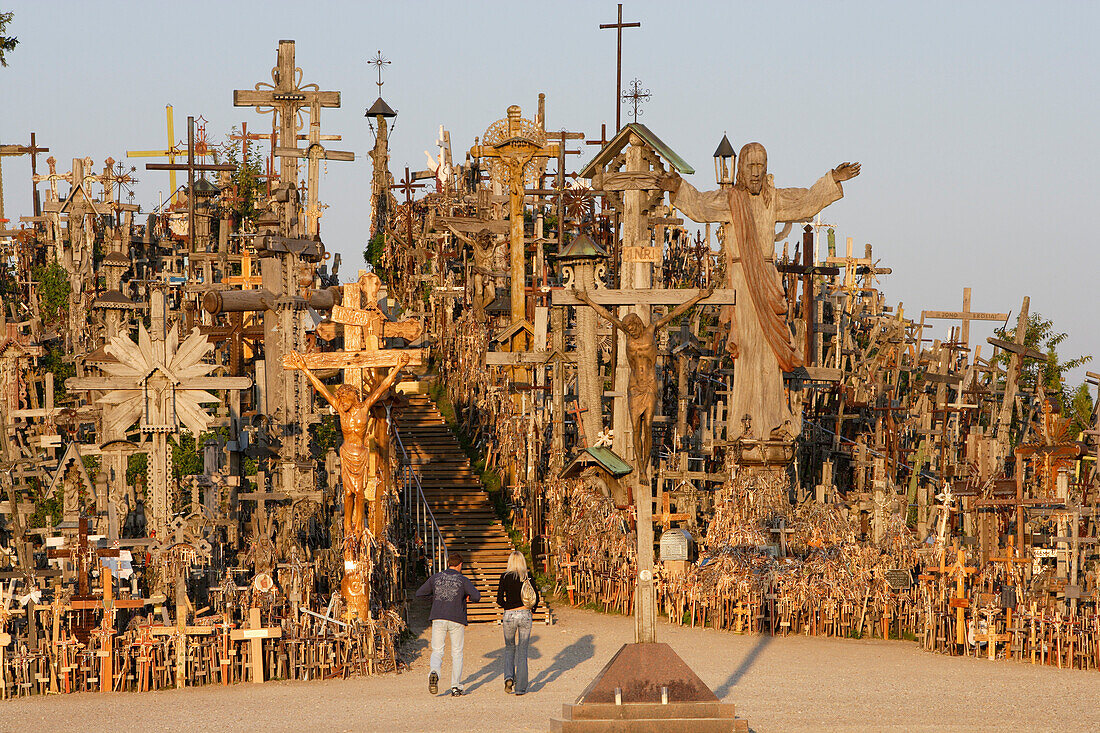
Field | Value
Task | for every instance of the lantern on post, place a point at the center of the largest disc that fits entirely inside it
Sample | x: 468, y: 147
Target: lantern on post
x: 724, y: 159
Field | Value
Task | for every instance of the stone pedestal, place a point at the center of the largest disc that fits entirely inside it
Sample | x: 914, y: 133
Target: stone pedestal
x: 647, y: 687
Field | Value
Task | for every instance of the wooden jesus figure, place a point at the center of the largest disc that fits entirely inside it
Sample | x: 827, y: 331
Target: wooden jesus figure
x: 760, y: 339
x: 484, y: 246
x: 355, y: 420
x: 641, y: 354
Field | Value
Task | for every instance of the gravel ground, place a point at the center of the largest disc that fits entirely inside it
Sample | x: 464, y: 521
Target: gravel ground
x: 778, y: 684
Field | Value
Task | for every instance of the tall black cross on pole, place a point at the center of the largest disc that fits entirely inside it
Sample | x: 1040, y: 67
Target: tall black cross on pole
x: 618, y: 26
x: 379, y: 61
x: 190, y: 167
x: 636, y: 95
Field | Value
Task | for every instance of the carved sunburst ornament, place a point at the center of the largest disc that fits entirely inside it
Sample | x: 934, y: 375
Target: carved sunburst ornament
x: 517, y: 128
x: 163, y: 382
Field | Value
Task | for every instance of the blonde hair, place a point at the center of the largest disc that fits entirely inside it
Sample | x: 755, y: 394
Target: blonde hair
x: 517, y: 564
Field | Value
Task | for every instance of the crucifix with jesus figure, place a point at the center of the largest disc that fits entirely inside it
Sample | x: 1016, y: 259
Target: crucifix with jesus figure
x: 364, y: 455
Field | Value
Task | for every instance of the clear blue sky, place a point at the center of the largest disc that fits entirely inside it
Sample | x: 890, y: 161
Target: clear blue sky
x: 975, y: 122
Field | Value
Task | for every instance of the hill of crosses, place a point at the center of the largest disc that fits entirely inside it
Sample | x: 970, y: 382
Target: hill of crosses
x: 224, y: 460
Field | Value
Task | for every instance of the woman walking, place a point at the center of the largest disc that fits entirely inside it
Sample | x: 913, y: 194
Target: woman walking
x: 518, y: 595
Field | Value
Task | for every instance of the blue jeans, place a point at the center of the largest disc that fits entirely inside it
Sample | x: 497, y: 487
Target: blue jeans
x: 441, y: 629
x: 517, y: 635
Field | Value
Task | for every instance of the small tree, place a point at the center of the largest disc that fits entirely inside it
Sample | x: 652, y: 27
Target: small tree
x: 246, y: 179
x: 374, y: 252
x: 1075, y: 404
x: 7, y: 43
x: 53, y: 290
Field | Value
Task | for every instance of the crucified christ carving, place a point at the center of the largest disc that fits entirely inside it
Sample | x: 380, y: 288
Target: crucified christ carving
x: 485, y: 292
x: 355, y: 418
x: 641, y: 354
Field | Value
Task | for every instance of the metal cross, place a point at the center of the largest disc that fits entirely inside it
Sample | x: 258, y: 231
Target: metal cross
x: 117, y: 177
x: 636, y: 95
x: 379, y: 61
x: 618, y: 26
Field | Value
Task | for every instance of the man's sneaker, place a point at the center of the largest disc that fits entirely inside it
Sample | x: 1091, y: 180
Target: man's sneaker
x: 456, y: 692
x: 433, y: 683
x: 508, y: 684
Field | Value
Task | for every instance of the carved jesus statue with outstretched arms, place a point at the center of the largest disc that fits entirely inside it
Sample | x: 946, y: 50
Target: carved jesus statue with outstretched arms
x: 760, y: 337
x: 355, y: 418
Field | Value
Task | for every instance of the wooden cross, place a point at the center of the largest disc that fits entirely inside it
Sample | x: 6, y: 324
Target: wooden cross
x: 851, y: 264
x: 960, y: 602
x: 236, y: 334
x: 618, y: 26
x: 990, y: 636
x: 5, y: 640
x: 80, y: 557
x: 364, y: 326
x: 666, y: 516
x: 602, y: 139
x: 16, y: 510
x: 576, y: 413
x: 1019, y: 351
x: 170, y: 152
x: 1075, y: 539
x: 965, y: 316
x: 181, y: 633
x: 808, y: 269
x: 52, y: 178
x: 191, y: 166
x: 261, y: 496
x: 515, y: 151
x: 285, y: 97
x: 14, y: 150
x: 782, y: 532
x: 247, y: 280
x: 314, y: 153
x: 255, y: 634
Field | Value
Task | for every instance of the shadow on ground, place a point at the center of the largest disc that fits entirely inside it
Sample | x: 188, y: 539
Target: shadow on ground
x: 492, y: 669
x: 746, y: 664
x: 576, y: 653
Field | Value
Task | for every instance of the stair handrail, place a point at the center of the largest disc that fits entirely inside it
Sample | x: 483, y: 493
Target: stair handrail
x: 416, y: 506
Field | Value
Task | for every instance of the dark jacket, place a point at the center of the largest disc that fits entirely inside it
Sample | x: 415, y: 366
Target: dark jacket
x: 510, y: 592
x: 449, y: 591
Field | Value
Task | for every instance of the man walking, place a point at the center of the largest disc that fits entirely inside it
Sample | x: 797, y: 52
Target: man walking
x: 449, y: 591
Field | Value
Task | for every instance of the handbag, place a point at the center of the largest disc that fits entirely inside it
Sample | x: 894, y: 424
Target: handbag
x: 527, y: 594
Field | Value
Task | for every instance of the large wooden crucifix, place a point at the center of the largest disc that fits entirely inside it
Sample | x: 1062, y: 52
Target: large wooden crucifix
x: 646, y: 602
x: 515, y: 143
x: 364, y: 456
x: 286, y: 96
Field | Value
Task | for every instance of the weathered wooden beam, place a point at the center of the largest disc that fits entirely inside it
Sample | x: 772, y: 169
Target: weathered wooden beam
x: 366, y: 359
x: 675, y: 296
x: 238, y: 301
x: 958, y: 315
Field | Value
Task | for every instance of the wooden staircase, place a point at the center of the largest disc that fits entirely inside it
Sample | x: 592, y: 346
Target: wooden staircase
x: 458, y: 501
